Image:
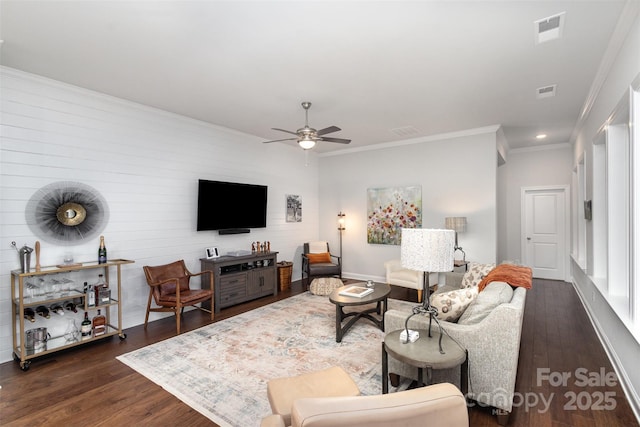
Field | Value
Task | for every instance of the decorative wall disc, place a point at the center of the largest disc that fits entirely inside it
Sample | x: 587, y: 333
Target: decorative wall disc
x: 66, y: 212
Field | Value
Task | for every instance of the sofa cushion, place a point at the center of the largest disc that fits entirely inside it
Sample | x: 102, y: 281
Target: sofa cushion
x: 452, y: 304
x: 494, y: 294
x: 475, y: 274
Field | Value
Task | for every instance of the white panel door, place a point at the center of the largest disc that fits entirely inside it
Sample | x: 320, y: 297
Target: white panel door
x: 544, y: 232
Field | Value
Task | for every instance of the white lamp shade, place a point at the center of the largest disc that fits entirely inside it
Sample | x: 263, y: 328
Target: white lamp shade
x: 427, y: 249
x: 456, y: 223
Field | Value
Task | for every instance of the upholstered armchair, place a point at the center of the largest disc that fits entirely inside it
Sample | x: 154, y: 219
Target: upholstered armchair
x: 399, y: 276
x: 169, y: 288
x: 317, y: 261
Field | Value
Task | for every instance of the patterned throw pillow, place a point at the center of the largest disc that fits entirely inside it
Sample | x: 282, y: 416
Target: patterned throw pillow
x: 452, y: 304
x: 475, y: 274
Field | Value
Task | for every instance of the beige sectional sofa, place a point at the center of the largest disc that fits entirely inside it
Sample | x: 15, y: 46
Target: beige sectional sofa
x: 490, y: 330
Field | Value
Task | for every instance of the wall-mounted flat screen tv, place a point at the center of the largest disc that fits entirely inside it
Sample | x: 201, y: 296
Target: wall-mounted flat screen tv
x: 231, y: 207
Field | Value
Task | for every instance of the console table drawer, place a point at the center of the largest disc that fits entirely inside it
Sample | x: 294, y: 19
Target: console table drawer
x: 232, y: 289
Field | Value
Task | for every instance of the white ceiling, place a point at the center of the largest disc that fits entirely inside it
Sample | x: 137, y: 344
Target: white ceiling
x: 367, y: 67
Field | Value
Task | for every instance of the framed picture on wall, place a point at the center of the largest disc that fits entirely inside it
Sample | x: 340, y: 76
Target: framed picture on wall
x: 391, y: 209
x: 294, y: 208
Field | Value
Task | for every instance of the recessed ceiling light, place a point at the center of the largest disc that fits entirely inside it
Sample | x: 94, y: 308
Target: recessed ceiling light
x: 541, y: 136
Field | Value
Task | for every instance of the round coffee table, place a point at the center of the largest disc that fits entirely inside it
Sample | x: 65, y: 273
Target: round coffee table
x: 424, y: 353
x: 379, y: 296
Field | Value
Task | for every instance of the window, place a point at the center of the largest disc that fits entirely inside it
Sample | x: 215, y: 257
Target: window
x: 614, y: 231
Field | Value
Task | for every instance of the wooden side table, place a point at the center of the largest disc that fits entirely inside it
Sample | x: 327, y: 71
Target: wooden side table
x: 425, y: 354
x: 379, y: 296
x: 461, y: 263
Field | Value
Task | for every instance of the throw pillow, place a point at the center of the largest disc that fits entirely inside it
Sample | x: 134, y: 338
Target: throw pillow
x: 318, y: 258
x: 493, y: 295
x: 451, y: 305
x: 475, y: 274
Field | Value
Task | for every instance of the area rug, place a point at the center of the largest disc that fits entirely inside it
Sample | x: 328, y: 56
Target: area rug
x: 221, y: 370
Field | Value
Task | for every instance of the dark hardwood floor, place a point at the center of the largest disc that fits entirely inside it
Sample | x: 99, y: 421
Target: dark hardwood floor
x: 88, y: 386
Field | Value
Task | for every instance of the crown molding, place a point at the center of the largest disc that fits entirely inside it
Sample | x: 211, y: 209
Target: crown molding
x: 413, y: 141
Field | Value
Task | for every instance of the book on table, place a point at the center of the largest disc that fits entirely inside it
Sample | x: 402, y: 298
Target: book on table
x: 356, y: 291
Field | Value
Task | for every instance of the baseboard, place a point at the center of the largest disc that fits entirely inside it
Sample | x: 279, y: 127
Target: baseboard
x: 625, y: 383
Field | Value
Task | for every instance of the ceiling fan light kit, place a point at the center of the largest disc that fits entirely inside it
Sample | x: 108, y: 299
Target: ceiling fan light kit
x: 307, y: 143
x: 308, y: 136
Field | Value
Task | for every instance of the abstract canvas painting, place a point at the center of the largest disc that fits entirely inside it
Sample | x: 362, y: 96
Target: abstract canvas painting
x: 391, y: 209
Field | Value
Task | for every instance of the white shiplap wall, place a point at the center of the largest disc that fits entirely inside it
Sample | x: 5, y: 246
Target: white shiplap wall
x: 146, y: 163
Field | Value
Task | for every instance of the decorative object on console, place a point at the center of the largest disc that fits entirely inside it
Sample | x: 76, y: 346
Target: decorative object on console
x: 459, y: 225
x: 260, y: 247
x: 212, y: 252
x: 430, y: 251
x: 389, y: 210
x: 294, y: 208
x: 65, y: 212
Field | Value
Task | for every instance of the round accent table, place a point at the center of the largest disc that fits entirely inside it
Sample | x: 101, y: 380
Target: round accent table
x: 379, y: 296
x: 425, y: 354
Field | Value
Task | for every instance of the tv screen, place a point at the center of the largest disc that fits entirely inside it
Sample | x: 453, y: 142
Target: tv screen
x: 231, y: 206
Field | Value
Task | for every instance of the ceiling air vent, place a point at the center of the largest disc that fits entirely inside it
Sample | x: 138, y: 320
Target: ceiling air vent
x: 550, y: 28
x: 546, y: 91
x: 406, y: 131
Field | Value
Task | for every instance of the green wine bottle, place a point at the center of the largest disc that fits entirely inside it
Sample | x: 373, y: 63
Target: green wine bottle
x: 85, y: 326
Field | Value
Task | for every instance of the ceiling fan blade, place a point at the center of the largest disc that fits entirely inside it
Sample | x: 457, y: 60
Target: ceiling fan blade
x: 287, y: 131
x: 278, y: 140
x: 338, y: 140
x: 330, y: 129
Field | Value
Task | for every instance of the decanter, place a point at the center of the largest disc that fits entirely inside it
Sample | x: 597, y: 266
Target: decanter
x: 72, y: 333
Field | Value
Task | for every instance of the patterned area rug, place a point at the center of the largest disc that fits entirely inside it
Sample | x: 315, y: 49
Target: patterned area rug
x: 221, y: 370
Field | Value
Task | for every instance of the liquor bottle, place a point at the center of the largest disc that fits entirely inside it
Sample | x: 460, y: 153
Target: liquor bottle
x: 97, y: 288
x: 85, y: 326
x: 29, y: 314
x: 43, y: 311
x: 99, y: 325
x: 57, y: 309
x: 71, y: 306
x: 91, y: 295
x: 102, y: 252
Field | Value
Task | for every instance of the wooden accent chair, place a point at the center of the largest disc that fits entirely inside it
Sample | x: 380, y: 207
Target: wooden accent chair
x: 317, y: 261
x: 169, y: 287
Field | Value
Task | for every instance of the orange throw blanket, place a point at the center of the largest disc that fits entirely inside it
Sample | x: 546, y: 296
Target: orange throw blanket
x: 514, y: 275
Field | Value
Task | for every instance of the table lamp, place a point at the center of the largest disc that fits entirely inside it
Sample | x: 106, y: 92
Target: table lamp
x: 430, y: 251
x: 459, y: 225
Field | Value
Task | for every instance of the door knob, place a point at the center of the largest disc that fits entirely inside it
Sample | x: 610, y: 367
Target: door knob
x: 528, y: 238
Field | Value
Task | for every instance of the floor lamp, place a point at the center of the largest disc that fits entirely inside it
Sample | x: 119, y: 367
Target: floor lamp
x: 430, y: 251
x: 341, y: 229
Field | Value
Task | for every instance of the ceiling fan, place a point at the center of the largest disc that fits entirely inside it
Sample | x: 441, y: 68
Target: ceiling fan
x: 308, y: 136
